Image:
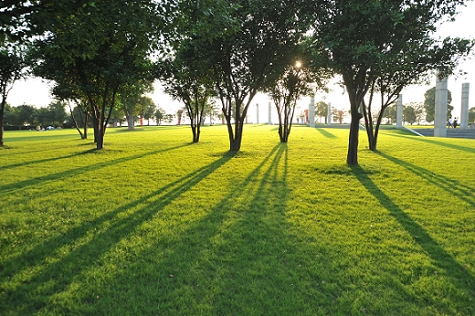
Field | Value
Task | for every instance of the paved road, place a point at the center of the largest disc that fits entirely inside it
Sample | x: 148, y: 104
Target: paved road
x: 428, y: 132
x: 451, y: 132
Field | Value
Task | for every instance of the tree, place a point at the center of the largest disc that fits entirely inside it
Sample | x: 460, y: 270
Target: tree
x: 382, y: 46
x: 57, y: 114
x: 168, y: 118
x: 9, y: 116
x: 159, y: 113
x: 188, y: 80
x: 42, y: 117
x: 418, y: 110
x: 96, y: 49
x: 211, y: 111
x: 293, y: 83
x: 390, y: 113
x: 22, y: 115
x: 149, y: 108
x: 429, y: 104
x: 338, y: 115
x: 409, y: 114
x: 12, y: 68
x: 245, y: 45
x: 131, y: 99
x: 80, y: 118
x: 471, y: 116
x: 321, y: 110
x: 19, y: 18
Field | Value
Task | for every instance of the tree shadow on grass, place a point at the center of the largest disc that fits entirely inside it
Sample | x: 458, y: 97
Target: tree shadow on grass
x: 457, y: 189
x: 8, y: 188
x: 460, y: 278
x: 430, y: 140
x: 39, y: 161
x: 238, y: 259
x: 234, y: 253
x: 325, y: 133
x: 51, y: 266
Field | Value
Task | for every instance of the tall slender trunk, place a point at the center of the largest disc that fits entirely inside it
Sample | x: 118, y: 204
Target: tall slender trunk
x: 75, y: 122
x: 100, y: 137
x: 86, y: 123
x: 196, y: 134
x: 96, y: 126
x: 2, y: 111
x: 352, y: 156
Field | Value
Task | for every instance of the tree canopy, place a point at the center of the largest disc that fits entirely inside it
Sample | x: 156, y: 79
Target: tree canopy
x: 246, y: 44
x: 383, y: 46
x: 95, y: 49
x: 429, y: 104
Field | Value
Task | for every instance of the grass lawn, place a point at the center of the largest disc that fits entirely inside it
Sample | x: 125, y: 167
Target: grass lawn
x: 156, y: 225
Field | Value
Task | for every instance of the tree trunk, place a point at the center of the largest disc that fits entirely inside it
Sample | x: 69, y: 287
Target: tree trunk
x: 76, y: 122
x: 235, y: 145
x: 195, y: 128
x: 101, y: 128
x: 130, y: 121
x: 352, y: 157
x: 196, y: 135
x: 86, y: 123
x: 236, y: 137
x: 2, y: 111
x: 100, y: 138
x: 95, y: 124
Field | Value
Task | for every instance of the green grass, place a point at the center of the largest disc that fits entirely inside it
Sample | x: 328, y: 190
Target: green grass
x: 156, y: 225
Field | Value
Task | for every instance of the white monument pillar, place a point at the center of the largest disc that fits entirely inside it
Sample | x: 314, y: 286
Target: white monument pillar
x: 329, y: 114
x: 257, y: 113
x: 399, y: 112
x: 311, y: 112
x: 270, y: 113
x: 464, y: 109
x: 441, y: 97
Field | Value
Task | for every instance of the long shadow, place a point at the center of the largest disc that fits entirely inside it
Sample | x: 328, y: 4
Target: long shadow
x: 462, y: 191
x: 31, y: 296
x: 460, y: 277
x: 195, y: 251
x: 325, y: 133
x: 8, y: 188
x: 34, y: 162
x: 261, y: 232
x: 39, y: 137
x: 436, y: 142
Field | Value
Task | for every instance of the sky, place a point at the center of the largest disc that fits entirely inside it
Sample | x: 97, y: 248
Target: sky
x: 35, y: 91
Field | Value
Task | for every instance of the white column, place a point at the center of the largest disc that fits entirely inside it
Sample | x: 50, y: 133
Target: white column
x: 329, y: 114
x: 257, y: 113
x: 399, y: 112
x: 464, y: 109
x: 441, y: 97
x: 270, y: 113
x: 311, y: 112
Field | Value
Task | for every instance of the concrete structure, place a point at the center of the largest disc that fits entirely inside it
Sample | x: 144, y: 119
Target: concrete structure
x: 441, y: 97
x: 311, y: 112
x: 399, y: 112
x: 464, y: 109
x: 329, y: 114
x: 270, y: 113
x: 257, y: 113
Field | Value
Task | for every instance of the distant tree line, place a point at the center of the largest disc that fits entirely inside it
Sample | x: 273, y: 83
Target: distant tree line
x: 31, y: 117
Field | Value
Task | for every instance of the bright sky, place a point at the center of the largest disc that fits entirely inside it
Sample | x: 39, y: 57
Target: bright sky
x: 36, y: 91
